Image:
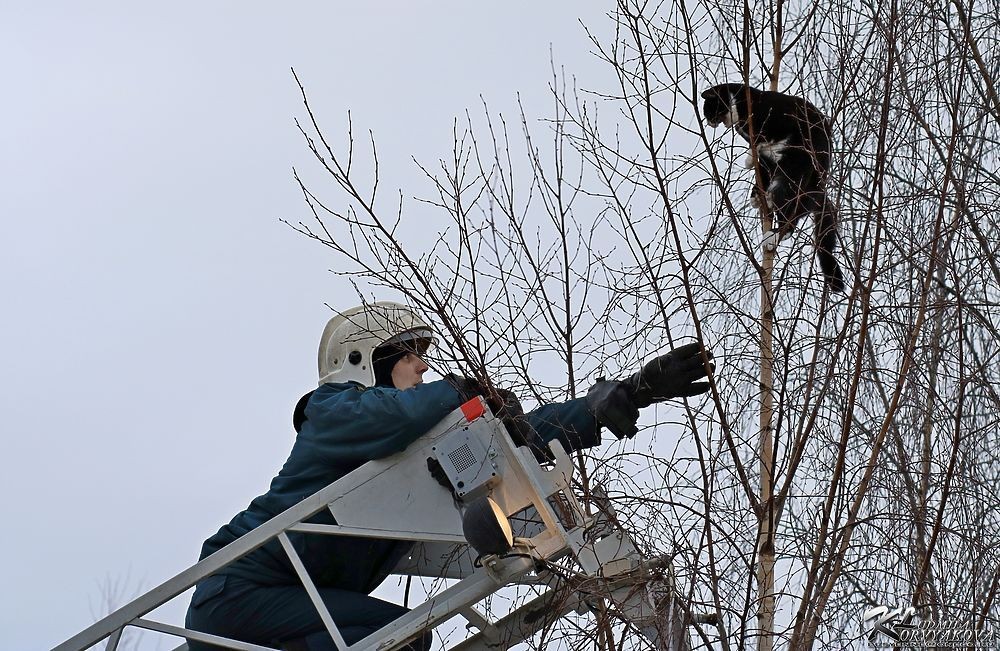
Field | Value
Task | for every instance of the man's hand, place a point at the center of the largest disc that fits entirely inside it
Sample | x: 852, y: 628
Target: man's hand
x: 616, y: 405
x: 502, y: 403
x: 671, y: 375
x: 507, y: 408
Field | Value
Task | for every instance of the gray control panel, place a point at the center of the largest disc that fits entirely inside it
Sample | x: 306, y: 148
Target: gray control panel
x: 468, y: 459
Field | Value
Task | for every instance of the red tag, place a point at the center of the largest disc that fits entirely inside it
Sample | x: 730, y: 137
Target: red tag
x: 473, y: 409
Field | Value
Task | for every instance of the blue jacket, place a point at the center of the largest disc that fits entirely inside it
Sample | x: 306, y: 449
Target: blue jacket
x: 348, y: 425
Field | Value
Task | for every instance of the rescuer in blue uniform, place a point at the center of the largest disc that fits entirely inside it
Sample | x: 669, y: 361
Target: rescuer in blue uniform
x: 371, y: 403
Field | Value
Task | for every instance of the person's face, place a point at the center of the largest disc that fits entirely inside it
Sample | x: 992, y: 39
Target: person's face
x: 408, y: 372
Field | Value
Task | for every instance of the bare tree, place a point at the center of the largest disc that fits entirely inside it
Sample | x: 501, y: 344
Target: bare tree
x: 846, y: 456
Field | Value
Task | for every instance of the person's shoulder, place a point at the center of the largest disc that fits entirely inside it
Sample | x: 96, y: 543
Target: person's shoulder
x: 438, y: 387
x: 348, y: 391
x: 334, y: 388
x: 335, y: 392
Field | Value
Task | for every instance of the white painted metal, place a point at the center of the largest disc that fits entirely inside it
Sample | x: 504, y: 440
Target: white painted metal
x: 314, y: 596
x: 523, y: 622
x: 397, y: 498
x: 113, y: 641
x: 200, y: 637
x: 367, y: 532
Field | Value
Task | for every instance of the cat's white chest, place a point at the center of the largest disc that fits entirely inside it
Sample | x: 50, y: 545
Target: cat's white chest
x: 731, y: 117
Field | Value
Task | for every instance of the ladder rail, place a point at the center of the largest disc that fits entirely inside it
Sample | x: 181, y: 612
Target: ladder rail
x: 235, y: 550
x: 225, y: 642
x: 314, y: 596
x: 444, y: 605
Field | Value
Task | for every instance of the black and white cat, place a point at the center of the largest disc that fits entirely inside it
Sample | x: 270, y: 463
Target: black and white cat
x: 792, y: 140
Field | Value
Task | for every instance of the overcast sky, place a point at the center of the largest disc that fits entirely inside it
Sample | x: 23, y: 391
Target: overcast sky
x: 159, y: 321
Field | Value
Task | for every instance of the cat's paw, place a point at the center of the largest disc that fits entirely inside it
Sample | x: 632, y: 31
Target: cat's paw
x: 769, y: 197
x: 748, y: 162
x: 771, y: 240
x: 755, y: 201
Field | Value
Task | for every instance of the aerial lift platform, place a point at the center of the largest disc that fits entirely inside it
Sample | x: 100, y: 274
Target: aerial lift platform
x: 522, y: 518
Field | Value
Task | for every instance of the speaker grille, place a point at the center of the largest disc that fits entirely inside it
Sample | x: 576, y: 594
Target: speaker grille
x: 462, y: 458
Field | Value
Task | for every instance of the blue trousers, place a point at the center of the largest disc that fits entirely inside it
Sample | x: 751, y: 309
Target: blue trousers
x: 284, y: 617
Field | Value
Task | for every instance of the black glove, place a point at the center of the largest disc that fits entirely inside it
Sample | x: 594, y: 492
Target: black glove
x: 467, y: 387
x: 612, y: 406
x: 670, y: 376
x: 507, y: 408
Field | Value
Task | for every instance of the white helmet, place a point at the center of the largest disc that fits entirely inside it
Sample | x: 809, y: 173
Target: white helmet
x: 350, y: 338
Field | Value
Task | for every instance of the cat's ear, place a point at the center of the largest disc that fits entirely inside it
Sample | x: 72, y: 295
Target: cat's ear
x: 705, y: 94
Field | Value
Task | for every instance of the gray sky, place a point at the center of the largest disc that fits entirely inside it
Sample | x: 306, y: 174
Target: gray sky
x: 159, y: 321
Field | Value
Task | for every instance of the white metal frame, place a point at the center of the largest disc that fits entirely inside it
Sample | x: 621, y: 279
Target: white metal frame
x: 396, y: 498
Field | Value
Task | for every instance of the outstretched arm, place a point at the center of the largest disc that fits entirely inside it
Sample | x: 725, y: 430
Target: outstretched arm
x: 571, y: 423
x: 364, y: 423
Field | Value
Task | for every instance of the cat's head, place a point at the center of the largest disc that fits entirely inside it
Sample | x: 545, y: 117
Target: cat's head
x: 720, y: 104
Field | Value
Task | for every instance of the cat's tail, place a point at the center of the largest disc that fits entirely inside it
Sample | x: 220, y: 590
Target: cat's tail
x: 826, y: 242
